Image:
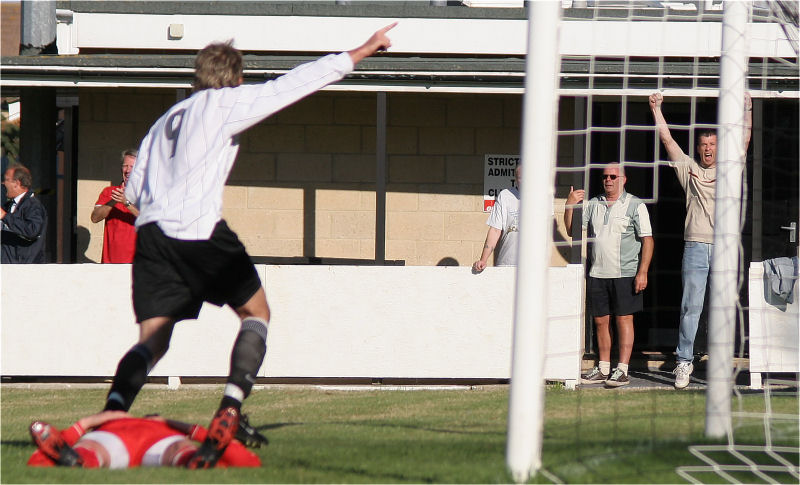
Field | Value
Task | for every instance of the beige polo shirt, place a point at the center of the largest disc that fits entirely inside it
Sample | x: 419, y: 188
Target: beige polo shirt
x: 699, y: 184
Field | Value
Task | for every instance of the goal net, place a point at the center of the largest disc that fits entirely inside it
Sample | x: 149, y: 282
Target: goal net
x: 614, y: 55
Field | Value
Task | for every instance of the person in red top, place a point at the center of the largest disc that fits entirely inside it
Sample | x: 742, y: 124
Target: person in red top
x: 119, y: 234
x: 117, y: 440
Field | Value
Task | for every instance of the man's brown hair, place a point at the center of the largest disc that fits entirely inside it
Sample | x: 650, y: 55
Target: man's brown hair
x: 705, y: 132
x: 217, y: 66
x: 21, y: 174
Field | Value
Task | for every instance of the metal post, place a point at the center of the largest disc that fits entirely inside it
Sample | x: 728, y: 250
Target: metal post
x: 380, y: 180
x: 758, y: 180
x: 540, y: 108
x: 38, y: 152
x: 727, y: 216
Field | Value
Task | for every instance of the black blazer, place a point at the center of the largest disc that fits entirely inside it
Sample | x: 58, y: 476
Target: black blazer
x: 24, y: 230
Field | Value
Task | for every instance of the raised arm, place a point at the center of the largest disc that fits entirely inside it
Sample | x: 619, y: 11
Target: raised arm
x: 575, y: 197
x: 673, y: 149
x: 252, y: 103
x: 748, y: 120
x: 378, y: 41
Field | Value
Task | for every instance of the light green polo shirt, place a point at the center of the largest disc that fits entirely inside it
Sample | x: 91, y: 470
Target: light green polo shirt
x: 617, y: 231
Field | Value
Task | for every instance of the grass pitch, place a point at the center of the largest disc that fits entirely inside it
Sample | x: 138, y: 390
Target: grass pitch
x: 319, y: 435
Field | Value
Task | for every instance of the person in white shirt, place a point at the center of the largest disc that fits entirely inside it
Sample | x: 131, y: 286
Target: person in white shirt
x: 185, y: 252
x: 503, y: 225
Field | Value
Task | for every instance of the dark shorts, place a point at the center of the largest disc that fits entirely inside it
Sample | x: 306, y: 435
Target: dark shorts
x: 173, y: 277
x: 613, y: 296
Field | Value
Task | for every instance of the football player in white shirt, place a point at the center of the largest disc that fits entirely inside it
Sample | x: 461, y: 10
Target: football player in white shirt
x: 185, y: 252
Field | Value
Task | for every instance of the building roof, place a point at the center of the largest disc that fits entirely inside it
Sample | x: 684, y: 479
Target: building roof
x: 153, y: 59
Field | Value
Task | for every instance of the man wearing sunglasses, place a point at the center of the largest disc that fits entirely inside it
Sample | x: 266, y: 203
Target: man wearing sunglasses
x: 622, y: 237
x: 699, y: 180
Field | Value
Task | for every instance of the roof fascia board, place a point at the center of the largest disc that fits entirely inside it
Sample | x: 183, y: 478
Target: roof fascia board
x: 385, y: 9
x: 422, y: 36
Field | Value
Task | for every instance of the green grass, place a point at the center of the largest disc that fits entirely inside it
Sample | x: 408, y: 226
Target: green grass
x: 454, y: 436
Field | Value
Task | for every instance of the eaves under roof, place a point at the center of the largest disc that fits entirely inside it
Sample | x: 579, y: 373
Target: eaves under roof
x: 393, y: 73
x: 387, y: 72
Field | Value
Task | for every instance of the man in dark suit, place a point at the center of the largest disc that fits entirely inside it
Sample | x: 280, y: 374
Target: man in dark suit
x: 23, y: 219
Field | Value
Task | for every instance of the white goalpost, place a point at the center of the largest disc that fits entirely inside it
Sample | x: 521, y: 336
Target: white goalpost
x: 727, y: 227
x: 540, y: 108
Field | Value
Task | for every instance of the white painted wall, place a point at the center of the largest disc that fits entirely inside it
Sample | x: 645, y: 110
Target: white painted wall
x: 328, y: 321
x: 774, y: 340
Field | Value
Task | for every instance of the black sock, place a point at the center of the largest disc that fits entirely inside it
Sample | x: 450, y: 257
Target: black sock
x: 246, y: 358
x: 130, y: 377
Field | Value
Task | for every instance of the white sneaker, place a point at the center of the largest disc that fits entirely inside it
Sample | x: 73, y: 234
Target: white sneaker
x: 682, y: 373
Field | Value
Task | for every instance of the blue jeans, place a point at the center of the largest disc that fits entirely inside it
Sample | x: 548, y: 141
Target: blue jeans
x: 694, y: 273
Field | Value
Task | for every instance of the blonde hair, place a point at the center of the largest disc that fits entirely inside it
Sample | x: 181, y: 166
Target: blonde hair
x: 218, y: 65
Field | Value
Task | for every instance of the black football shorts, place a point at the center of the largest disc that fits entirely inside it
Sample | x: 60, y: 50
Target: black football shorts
x: 173, y: 277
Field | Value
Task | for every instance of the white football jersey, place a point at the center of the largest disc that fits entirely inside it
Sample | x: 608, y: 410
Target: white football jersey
x: 185, y: 159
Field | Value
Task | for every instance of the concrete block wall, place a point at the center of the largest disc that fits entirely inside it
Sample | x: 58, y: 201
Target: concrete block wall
x: 304, y: 181
x: 110, y: 121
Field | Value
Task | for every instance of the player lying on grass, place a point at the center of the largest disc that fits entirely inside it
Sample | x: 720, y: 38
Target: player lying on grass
x: 115, y: 439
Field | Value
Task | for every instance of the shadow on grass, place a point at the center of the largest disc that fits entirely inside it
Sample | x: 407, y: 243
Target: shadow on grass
x: 367, y: 475
x: 419, y: 428
x: 16, y: 443
x: 276, y: 426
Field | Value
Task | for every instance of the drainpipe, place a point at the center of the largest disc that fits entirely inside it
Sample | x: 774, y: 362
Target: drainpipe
x: 38, y: 28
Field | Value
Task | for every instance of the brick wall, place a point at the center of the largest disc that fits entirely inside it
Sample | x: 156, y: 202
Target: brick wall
x: 304, y: 181
x: 10, y: 14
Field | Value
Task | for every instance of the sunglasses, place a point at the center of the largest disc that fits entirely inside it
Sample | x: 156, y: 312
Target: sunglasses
x: 610, y: 176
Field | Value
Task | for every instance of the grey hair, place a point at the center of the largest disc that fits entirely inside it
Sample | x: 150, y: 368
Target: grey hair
x: 129, y: 152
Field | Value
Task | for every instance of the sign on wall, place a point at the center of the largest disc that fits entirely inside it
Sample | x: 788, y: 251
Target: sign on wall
x: 498, y: 174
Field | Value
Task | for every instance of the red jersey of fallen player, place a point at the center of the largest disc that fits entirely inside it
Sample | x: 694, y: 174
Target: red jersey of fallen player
x: 133, y: 442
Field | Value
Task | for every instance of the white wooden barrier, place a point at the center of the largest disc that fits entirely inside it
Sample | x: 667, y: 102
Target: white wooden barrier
x: 774, y: 343
x: 327, y: 321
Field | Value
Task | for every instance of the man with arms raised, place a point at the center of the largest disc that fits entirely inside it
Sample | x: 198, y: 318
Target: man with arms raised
x: 699, y: 182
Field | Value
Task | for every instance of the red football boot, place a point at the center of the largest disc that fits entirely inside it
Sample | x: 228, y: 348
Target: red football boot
x: 221, y: 432
x: 49, y: 441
